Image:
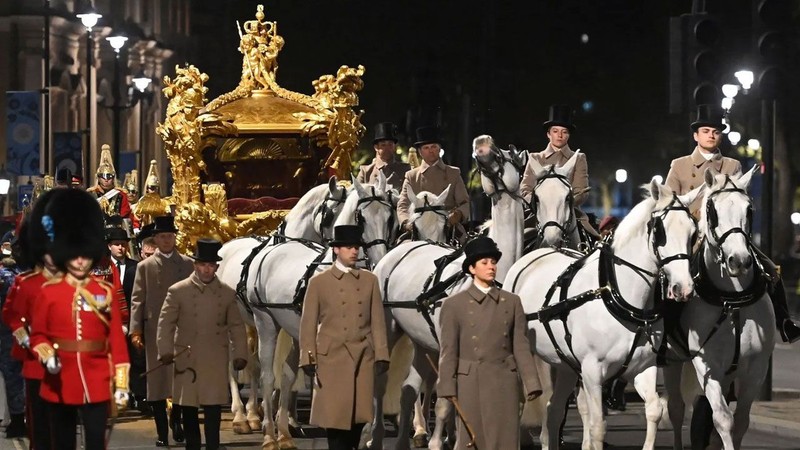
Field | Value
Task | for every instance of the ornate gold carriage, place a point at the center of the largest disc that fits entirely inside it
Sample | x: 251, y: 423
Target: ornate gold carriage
x: 260, y: 144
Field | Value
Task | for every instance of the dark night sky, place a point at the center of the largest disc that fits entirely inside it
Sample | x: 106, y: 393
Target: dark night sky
x: 513, y: 58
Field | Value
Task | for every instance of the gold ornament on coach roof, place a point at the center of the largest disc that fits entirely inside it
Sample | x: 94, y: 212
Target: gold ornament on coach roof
x: 257, y: 107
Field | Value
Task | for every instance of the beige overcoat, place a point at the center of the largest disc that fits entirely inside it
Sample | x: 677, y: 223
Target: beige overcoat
x: 395, y: 172
x: 435, y: 180
x: 204, y: 317
x: 687, y: 173
x: 343, y: 332
x: 154, y: 276
x: 485, y: 353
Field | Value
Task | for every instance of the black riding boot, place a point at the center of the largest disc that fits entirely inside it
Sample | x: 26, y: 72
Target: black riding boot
x: 788, y: 330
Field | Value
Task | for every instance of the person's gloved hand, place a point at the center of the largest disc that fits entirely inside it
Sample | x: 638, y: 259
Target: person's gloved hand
x: 310, y: 370
x: 125, y: 330
x: 408, y: 226
x: 121, y: 398
x: 136, y: 341
x: 24, y: 341
x: 53, y: 365
x: 454, y: 218
x: 381, y: 367
x: 167, y: 359
x: 239, y: 364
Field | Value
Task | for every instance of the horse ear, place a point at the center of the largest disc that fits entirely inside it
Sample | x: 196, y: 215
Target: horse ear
x: 744, y: 180
x: 689, y: 197
x: 412, y: 196
x: 443, y: 196
x: 381, y: 185
x: 655, y: 190
x: 332, y: 184
x: 359, y: 188
x: 710, y: 175
x: 569, y: 166
x: 520, y: 157
x: 538, y: 170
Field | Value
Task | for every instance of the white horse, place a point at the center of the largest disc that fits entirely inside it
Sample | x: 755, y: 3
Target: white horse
x: 404, y: 270
x: 728, y: 344
x: 654, y: 239
x: 311, y: 218
x: 273, y: 278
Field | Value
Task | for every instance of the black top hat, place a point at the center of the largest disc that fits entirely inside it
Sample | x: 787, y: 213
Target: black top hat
x: 145, y: 232
x: 385, y: 131
x: 116, y: 234
x: 709, y: 116
x: 479, y: 248
x: 346, y: 235
x: 427, y: 135
x: 560, y: 115
x: 164, y: 224
x: 207, y: 250
x: 64, y: 176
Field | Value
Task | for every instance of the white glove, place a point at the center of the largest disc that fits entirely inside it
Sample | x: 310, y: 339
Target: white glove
x: 25, y: 342
x: 53, y: 365
x: 121, y: 398
x: 125, y: 330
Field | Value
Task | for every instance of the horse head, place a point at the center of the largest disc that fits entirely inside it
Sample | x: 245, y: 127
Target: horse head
x: 501, y: 170
x: 328, y: 211
x: 552, y: 202
x: 371, y: 207
x: 726, y: 219
x: 428, y: 214
x: 671, y: 233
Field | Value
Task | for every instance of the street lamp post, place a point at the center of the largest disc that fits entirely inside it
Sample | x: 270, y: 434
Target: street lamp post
x: 89, y: 19
x: 117, y: 42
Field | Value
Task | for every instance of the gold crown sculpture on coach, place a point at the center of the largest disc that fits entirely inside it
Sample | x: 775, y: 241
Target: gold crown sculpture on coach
x: 244, y: 125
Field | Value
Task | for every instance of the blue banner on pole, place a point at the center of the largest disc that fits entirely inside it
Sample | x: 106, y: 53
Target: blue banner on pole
x: 67, y: 151
x: 127, y: 162
x: 23, y: 119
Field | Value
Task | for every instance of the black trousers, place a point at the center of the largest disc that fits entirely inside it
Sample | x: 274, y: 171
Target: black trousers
x: 64, y: 420
x: 191, y: 426
x: 344, y: 439
x: 36, y: 416
x: 160, y: 417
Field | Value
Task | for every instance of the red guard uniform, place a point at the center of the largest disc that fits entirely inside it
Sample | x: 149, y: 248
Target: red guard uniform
x: 18, y: 314
x: 81, y: 317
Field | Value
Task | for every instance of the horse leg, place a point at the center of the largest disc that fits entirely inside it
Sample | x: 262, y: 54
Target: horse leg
x: 556, y: 407
x: 288, y: 378
x: 582, y: 403
x: 422, y: 411
x: 253, y: 368
x: 751, y: 376
x: 592, y: 385
x: 239, y: 423
x: 675, y: 406
x: 645, y: 384
x: 421, y: 379
x: 714, y: 391
x: 268, y: 337
x: 409, y: 396
x: 443, y: 410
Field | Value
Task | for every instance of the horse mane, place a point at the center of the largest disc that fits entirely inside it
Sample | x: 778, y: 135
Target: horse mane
x: 308, y: 202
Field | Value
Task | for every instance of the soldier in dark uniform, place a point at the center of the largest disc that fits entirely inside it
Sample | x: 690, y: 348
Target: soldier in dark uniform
x: 385, y: 145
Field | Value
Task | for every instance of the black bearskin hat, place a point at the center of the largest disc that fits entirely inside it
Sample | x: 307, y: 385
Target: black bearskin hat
x: 73, y: 223
x: 32, y: 239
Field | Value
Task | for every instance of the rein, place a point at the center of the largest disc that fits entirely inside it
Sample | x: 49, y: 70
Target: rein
x: 568, y: 227
x: 327, y: 213
x: 360, y: 221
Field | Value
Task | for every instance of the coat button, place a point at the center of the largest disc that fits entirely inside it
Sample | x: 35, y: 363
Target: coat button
x: 505, y: 334
x: 691, y: 186
x: 360, y: 315
x: 694, y: 175
x: 474, y: 338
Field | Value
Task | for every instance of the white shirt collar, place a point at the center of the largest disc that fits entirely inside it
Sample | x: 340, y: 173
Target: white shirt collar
x: 341, y: 266
x: 485, y: 290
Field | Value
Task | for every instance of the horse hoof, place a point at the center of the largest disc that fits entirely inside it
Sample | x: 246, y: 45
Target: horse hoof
x: 270, y: 446
x: 286, y: 443
x: 420, y: 441
x: 241, y: 428
x: 254, y: 424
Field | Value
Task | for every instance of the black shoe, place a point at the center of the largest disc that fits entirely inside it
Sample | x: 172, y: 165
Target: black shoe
x: 16, y: 428
x: 789, y: 331
x: 177, y: 432
x: 162, y: 443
